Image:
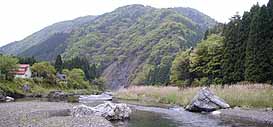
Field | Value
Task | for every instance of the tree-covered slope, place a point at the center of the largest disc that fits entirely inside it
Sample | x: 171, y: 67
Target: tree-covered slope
x: 135, y: 44
x: 49, y: 48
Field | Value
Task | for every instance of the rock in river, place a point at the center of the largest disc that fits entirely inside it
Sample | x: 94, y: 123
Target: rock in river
x: 4, y: 98
x: 9, y: 99
x: 108, y: 110
x: 101, y: 97
x: 206, y: 101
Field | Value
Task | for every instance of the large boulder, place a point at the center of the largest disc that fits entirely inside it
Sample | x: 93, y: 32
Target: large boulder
x: 206, y: 101
x: 108, y: 110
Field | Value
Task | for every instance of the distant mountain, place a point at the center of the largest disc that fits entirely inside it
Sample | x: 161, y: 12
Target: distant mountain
x: 18, y: 47
x: 128, y: 44
x: 204, y: 21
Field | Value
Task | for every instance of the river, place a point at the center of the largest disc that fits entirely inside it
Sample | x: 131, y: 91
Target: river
x: 158, y: 115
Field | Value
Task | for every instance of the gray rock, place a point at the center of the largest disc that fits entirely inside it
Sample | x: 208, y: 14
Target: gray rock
x: 56, y: 96
x: 206, y: 101
x: 82, y: 110
x: 108, y: 93
x: 108, y: 110
x: 236, y: 108
x: 101, y: 97
x: 268, y: 109
x: 9, y: 99
x: 2, y: 96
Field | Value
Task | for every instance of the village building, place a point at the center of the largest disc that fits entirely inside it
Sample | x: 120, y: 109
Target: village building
x: 61, y: 78
x: 23, y: 71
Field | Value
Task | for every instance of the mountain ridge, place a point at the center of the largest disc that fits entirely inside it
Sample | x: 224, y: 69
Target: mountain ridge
x: 130, y: 44
x: 43, y: 34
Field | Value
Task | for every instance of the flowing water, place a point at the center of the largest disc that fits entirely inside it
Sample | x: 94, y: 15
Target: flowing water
x: 163, y: 116
x: 158, y: 115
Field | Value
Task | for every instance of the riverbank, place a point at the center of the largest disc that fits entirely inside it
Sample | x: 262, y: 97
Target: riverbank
x: 16, y: 88
x: 44, y: 114
x: 247, y: 96
x: 57, y: 114
x: 262, y: 116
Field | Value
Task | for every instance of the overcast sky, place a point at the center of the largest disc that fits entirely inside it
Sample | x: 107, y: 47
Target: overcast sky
x: 20, y: 18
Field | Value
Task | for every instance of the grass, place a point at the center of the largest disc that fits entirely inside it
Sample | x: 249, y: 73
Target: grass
x: 247, y: 95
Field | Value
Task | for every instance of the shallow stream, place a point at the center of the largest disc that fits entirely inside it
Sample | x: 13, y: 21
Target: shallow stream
x: 158, y: 115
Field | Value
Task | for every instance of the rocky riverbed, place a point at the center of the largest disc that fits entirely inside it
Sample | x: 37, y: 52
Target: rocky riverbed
x: 258, y: 116
x: 45, y: 114
x: 57, y: 114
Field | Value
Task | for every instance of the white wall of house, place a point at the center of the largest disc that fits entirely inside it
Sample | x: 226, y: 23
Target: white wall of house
x: 26, y: 75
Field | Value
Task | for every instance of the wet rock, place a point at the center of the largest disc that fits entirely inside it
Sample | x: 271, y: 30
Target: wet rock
x: 236, y: 108
x: 216, y: 113
x: 2, y: 96
x: 9, y: 99
x: 113, y: 111
x: 108, y: 93
x: 108, y: 110
x: 177, y: 108
x: 56, y: 96
x: 268, y: 109
x: 101, y: 97
x: 206, y: 101
x: 82, y: 110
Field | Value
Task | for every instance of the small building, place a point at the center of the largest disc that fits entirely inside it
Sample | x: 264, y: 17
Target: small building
x: 23, y: 71
x: 61, y: 77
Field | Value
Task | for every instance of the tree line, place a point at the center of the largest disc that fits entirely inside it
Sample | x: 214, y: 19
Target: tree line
x: 90, y: 70
x: 241, y: 50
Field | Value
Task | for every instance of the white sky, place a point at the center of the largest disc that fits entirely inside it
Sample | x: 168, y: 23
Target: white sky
x: 20, y: 18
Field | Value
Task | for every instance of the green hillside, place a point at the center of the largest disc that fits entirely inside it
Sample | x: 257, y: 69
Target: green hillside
x: 134, y: 44
x: 30, y: 42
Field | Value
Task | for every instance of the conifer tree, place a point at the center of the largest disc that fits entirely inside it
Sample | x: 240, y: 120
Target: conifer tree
x: 231, y: 51
x: 258, y: 49
x: 59, y: 64
x: 93, y: 72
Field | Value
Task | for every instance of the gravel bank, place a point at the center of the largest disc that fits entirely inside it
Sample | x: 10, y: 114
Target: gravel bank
x: 251, y: 115
x: 44, y: 114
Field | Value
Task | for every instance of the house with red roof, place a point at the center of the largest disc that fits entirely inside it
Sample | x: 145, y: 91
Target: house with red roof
x: 23, y: 71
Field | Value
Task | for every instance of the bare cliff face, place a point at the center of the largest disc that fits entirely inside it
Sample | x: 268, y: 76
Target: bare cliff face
x: 119, y: 75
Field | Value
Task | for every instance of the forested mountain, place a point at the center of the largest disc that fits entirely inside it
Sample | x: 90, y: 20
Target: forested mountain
x: 134, y: 44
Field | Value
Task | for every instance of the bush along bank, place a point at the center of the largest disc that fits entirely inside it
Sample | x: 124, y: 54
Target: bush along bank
x: 19, y: 88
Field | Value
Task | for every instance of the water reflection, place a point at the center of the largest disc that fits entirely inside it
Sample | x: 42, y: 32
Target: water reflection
x: 146, y: 119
